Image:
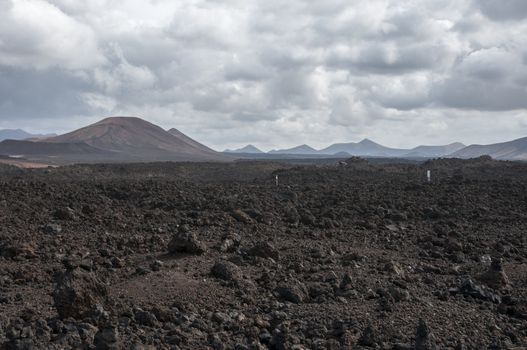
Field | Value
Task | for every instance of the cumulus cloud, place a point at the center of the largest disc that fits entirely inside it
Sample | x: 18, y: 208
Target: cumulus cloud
x: 271, y: 73
x: 36, y: 34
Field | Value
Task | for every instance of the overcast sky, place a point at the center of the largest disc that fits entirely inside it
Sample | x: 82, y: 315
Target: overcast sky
x: 272, y: 73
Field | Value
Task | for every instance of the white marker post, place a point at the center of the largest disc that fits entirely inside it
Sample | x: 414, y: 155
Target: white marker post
x: 276, y: 179
x: 429, y: 176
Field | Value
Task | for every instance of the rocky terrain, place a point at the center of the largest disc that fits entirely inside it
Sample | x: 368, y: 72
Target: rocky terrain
x: 353, y: 255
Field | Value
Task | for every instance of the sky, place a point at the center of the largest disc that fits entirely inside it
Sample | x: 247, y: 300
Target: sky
x: 275, y: 74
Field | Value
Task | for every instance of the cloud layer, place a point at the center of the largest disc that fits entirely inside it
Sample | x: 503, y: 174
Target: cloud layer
x: 270, y: 73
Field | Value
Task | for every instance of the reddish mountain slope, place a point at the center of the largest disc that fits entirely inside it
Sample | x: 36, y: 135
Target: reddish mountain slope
x: 189, y: 140
x: 136, y: 138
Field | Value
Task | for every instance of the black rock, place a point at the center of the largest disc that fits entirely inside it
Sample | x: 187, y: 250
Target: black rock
x: 186, y: 242
x: 65, y: 214
x: 368, y: 337
x: 107, y: 338
x: 78, y: 293
x: 264, y: 250
x: 424, y: 338
x: 52, y: 229
x: 294, y: 292
x: 469, y: 288
x: 227, y: 271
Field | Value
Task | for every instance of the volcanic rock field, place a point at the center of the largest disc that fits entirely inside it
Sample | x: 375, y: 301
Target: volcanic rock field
x: 265, y: 255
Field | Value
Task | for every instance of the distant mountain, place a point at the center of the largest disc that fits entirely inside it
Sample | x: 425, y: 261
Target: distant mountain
x: 512, y: 150
x: 364, y: 148
x: 19, y: 134
x: 249, y: 149
x: 302, y: 149
x: 134, y: 139
x: 434, y: 151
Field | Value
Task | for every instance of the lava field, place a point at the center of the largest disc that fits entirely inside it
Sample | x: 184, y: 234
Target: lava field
x: 337, y: 255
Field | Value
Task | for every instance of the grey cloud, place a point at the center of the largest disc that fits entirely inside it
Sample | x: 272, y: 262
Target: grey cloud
x: 252, y: 117
x: 30, y: 94
x: 247, y: 67
x: 467, y: 93
x: 405, y: 102
x: 303, y: 89
x: 500, y: 10
x: 485, y: 80
x: 391, y: 58
x: 350, y: 112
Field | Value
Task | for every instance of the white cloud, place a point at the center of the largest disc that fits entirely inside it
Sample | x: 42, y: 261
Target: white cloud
x: 36, y: 34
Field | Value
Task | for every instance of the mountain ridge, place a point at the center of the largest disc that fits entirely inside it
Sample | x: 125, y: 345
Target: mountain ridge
x: 302, y: 149
x: 509, y: 150
x: 250, y: 149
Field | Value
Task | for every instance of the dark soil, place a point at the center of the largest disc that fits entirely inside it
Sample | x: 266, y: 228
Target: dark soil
x: 348, y: 255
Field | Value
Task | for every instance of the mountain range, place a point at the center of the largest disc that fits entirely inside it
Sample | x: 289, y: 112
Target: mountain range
x: 364, y: 148
x: 19, y: 134
x: 131, y: 139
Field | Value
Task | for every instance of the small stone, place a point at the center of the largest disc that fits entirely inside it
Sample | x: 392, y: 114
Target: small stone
x: 241, y: 216
x: 156, y: 265
x: 221, y: 318
x: 399, y: 294
x: 229, y: 242
x: 393, y: 268
x: 346, y: 282
x: 52, y: 229
x: 65, y: 214
x: 140, y: 270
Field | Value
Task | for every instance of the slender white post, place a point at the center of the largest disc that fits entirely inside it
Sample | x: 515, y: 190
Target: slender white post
x: 428, y: 175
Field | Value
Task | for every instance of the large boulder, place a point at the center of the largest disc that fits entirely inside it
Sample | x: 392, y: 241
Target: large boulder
x: 186, y: 242
x: 107, y: 339
x: 264, y: 250
x: 495, y: 276
x: 227, y: 271
x: 294, y: 292
x: 368, y: 336
x: 78, y: 293
x: 471, y: 289
x: 13, y: 250
x: 424, y: 338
